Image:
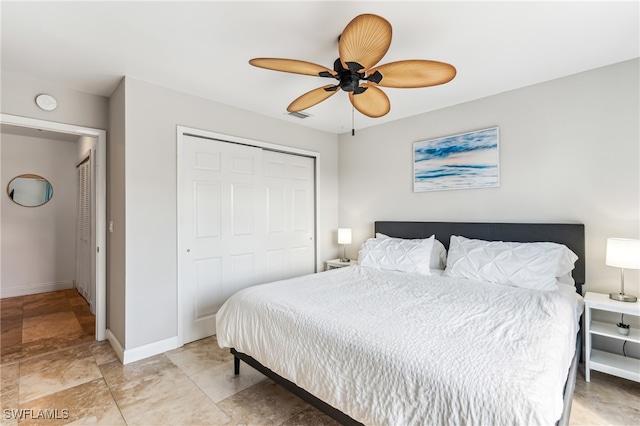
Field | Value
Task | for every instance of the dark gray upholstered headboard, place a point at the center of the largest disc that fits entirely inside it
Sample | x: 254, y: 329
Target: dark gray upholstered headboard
x: 571, y: 235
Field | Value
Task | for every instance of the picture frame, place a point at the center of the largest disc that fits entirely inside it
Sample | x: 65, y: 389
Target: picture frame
x: 463, y: 161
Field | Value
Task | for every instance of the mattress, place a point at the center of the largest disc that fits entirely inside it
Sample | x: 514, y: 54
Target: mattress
x: 390, y: 348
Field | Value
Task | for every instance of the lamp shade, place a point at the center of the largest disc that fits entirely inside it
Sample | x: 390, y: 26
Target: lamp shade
x: 623, y: 253
x: 344, y: 235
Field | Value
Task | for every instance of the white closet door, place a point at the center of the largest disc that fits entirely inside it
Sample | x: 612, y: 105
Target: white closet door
x: 240, y: 224
x: 290, y: 204
x: 83, y: 231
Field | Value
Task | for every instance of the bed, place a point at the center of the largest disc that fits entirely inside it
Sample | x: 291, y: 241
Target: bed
x: 371, y: 345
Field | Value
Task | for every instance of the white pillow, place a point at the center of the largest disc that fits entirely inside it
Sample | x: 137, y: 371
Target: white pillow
x: 567, y: 279
x: 438, y: 258
x: 534, y: 266
x: 396, y: 254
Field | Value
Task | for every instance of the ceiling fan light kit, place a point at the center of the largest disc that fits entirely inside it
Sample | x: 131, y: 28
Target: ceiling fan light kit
x: 362, y: 44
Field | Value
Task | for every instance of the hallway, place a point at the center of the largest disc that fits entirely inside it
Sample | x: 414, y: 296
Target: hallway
x: 40, y: 323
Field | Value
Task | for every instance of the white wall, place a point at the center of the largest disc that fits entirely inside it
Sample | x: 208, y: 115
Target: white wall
x: 569, y: 152
x: 116, y: 295
x: 148, y: 168
x: 74, y: 107
x: 85, y: 144
x: 38, y: 243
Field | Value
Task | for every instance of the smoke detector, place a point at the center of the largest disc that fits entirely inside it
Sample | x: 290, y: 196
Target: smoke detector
x: 46, y: 102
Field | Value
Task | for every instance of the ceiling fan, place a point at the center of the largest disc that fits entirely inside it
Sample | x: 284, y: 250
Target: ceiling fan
x: 364, y: 41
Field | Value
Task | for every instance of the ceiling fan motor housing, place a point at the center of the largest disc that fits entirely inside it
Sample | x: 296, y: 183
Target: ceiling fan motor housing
x: 350, y: 77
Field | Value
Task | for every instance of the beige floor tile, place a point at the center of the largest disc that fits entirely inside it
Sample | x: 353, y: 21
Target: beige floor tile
x: 37, y: 384
x: 111, y: 418
x: 76, y: 300
x: 8, y: 419
x: 9, y: 385
x: 311, y: 416
x: 43, y: 346
x: 11, y: 303
x: 116, y: 373
x: 102, y: 352
x: 9, y: 378
x: 168, y: 397
x: 200, y: 355
x: 266, y: 403
x: 54, y: 360
x: 52, y: 325
x: 88, y: 403
x: 44, y: 303
x: 219, y: 382
x: 38, y: 324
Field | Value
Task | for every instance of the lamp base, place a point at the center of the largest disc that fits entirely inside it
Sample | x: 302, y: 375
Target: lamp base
x: 621, y: 297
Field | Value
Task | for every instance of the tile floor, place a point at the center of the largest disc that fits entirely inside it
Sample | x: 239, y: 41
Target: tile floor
x: 84, y: 383
x: 40, y: 323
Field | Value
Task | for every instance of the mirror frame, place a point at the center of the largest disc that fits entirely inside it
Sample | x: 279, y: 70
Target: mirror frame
x: 28, y: 176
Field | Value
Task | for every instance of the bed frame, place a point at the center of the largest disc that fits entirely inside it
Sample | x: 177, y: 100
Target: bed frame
x: 571, y: 235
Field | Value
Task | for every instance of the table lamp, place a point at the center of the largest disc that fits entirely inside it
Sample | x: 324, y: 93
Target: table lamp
x: 344, y: 237
x: 623, y: 253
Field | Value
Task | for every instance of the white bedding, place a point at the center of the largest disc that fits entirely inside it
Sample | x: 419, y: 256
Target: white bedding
x: 394, y: 348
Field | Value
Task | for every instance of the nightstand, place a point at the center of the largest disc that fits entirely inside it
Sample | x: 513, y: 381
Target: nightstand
x: 336, y: 263
x: 603, y: 361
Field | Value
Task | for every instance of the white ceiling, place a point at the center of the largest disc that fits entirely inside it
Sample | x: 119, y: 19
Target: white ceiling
x: 203, y: 48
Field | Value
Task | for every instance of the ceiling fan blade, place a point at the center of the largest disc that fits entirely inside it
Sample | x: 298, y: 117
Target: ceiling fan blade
x: 373, y: 102
x: 313, y: 97
x: 414, y: 73
x: 292, y: 66
x: 365, y: 40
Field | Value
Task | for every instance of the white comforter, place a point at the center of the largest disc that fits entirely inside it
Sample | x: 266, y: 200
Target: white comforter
x: 392, y: 348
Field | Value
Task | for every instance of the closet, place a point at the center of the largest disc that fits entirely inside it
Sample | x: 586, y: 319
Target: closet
x: 246, y: 216
x: 84, y: 244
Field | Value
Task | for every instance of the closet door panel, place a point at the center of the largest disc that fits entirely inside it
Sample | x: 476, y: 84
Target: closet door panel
x: 83, y: 231
x: 247, y: 217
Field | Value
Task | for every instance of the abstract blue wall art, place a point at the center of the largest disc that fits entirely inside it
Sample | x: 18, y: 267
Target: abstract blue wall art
x: 464, y: 161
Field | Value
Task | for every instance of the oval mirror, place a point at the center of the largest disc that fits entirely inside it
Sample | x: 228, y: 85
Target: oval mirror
x: 30, y: 190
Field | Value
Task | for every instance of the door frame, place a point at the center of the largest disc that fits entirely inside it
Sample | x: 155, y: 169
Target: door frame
x: 181, y: 131
x: 100, y: 207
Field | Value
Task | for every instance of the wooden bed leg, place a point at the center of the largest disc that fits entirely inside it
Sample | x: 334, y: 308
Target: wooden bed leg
x: 236, y: 365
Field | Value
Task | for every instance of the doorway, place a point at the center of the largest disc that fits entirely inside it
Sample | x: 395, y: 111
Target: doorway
x: 98, y: 215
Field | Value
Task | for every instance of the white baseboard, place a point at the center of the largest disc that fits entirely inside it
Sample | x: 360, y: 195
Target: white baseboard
x: 115, y: 344
x: 141, y: 352
x: 25, y: 290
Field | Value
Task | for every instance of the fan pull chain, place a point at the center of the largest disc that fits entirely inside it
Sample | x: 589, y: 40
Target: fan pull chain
x: 353, y: 130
